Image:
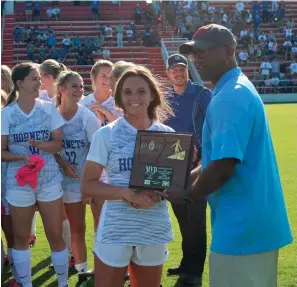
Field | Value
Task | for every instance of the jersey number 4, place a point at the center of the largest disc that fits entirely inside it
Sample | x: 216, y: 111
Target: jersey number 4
x: 71, y: 157
x: 33, y: 149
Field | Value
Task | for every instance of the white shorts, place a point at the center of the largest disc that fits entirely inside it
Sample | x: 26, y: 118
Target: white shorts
x: 25, y: 198
x: 72, y: 196
x: 121, y: 255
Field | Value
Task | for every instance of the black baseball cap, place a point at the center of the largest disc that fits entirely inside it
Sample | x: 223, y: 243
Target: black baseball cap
x: 176, y: 59
x: 207, y: 37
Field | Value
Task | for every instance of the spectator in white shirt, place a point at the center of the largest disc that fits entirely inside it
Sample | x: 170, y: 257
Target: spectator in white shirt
x: 243, y: 57
x: 56, y: 12
x: 129, y: 35
x: 66, y: 42
x: 248, y: 18
x: 275, y: 83
x: 49, y: 13
x: 262, y: 37
x: 239, y: 6
x: 243, y: 34
x: 265, y: 68
x: 288, y: 32
x: 287, y: 47
x: 224, y: 20
x: 108, y: 35
x: 293, y: 68
x: 211, y: 9
x: 106, y: 53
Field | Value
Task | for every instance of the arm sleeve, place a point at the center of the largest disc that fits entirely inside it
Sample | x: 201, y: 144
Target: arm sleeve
x: 231, y: 126
x: 93, y: 124
x: 57, y: 119
x: 198, y: 115
x: 100, y: 146
x: 4, y: 123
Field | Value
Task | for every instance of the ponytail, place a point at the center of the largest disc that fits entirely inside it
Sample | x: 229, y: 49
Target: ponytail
x: 58, y: 99
x: 12, y: 97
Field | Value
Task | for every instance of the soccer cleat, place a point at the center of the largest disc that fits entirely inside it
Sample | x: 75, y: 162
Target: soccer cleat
x: 71, y: 265
x: 12, y: 283
x: 32, y: 240
x: 6, y: 260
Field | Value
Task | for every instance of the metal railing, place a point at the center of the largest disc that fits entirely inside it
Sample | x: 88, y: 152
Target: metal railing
x: 170, y: 46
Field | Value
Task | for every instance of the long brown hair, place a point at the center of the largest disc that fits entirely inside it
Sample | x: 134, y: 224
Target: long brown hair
x: 62, y: 80
x: 6, y: 82
x: 159, y: 109
x: 19, y: 73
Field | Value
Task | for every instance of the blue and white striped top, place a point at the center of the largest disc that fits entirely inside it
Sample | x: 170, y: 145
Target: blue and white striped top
x: 113, y: 147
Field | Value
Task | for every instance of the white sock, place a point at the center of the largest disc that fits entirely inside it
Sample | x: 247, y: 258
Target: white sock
x: 33, y: 227
x: 22, y: 263
x: 60, y: 262
x: 66, y: 233
x: 12, y: 265
x: 81, y: 267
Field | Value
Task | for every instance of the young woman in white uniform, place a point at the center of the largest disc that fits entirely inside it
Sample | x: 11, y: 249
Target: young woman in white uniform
x: 49, y: 73
x: 128, y: 236
x: 32, y: 126
x: 80, y: 125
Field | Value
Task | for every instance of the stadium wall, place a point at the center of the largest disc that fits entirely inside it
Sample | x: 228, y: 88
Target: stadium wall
x: 279, y: 98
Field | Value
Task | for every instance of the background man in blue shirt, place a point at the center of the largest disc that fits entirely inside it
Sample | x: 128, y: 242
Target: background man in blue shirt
x: 183, y: 96
x: 239, y: 172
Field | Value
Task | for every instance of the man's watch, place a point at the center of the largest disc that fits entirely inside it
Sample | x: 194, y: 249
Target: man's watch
x: 187, y: 199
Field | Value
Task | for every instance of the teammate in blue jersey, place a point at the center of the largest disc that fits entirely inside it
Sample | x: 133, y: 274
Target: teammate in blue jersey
x: 128, y: 236
x: 80, y: 125
x: 32, y: 126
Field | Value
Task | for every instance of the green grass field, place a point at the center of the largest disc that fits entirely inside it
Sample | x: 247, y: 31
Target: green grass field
x: 283, y: 123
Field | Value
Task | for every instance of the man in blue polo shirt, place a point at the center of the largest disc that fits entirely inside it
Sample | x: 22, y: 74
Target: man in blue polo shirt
x: 183, y: 96
x: 239, y: 172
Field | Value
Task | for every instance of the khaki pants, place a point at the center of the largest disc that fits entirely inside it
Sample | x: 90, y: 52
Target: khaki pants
x: 256, y: 270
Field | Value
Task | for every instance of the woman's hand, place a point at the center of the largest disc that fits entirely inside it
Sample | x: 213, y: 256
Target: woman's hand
x: 144, y: 198
x: 37, y: 144
x: 28, y: 161
x: 137, y: 199
x: 69, y: 170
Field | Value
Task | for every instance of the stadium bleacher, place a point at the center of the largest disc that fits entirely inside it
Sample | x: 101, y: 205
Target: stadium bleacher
x: 75, y: 20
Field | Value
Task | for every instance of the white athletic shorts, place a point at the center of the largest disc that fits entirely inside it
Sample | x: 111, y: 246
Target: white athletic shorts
x: 121, y: 255
x: 72, y: 196
x: 25, y: 198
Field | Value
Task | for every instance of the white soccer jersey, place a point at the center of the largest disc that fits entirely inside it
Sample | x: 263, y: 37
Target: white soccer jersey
x: 76, y: 137
x: 43, y: 95
x: 113, y: 147
x: 108, y: 104
x: 38, y: 125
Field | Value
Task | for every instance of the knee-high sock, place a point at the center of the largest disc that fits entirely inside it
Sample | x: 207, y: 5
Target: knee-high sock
x: 67, y: 235
x: 60, y: 262
x: 12, y: 265
x: 22, y: 263
x: 33, y: 228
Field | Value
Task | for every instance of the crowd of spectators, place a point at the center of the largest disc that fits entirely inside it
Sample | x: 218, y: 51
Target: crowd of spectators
x: 256, y: 44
